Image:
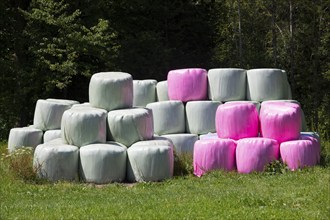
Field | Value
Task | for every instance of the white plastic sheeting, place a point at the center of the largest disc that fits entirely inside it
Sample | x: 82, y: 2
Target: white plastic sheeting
x: 257, y: 104
x: 303, y: 119
x: 48, y: 114
x: 288, y: 94
x: 24, y: 137
x: 156, y: 141
x: 70, y: 102
x: 82, y: 105
x: 208, y: 136
x: 84, y: 126
x: 227, y: 84
x: 55, y: 161
x: 162, y: 91
x: 51, y: 135
x: 111, y: 90
x: 169, y: 117
x: 103, y: 163
x: 266, y: 84
x: 200, y: 116
x: 128, y: 126
x: 144, y: 92
x: 149, y: 163
x: 183, y: 143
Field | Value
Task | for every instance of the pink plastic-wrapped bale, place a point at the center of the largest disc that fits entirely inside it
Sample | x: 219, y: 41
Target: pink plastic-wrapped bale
x: 299, y: 153
x: 187, y: 84
x: 213, y: 154
x: 315, y: 139
x: 280, y: 121
x: 237, y: 120
x: 253, y: 154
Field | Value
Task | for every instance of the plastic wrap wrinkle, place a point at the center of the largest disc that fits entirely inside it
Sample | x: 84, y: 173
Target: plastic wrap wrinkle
x: 183, y: 143
x: 84, y: 126
x: 214, y: 154
x: 253, y: 154
x: 227, y: 84
x: 266, y: 84
x: 187, y: 84
x: 200, y: 116
x: 144, y: 92
x: 162, y: 91
x: 280, y: 121
x: 111, y: 90
x: 299, y: 153
x: 149, y: 163
x: 55, y: 161
x: 48, y: 114
x: 237, y: 120
x: 128, y: 126
x: 169, y: 117
x: 103, y: 163
x: 24, y: 137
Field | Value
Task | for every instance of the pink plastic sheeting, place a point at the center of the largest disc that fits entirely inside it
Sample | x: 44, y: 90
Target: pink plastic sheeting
x: 316, y: 144
x: 212, y: 154
x: 237, y: 120
x: 253, y: 154
x: 298, y: 153
x: 187, y: 84
x: 280, y: 121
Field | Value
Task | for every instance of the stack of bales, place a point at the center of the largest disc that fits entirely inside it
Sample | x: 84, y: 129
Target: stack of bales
x: 130, y: 128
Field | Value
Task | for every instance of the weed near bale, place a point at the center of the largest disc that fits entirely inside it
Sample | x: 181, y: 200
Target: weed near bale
x: 183, y: 164
x: 20, y: 164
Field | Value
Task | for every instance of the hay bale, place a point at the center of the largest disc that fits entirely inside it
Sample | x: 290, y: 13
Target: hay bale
x: 169, y: 117
x: 51, y: 135
x: 256, y: 104
x: 48, y: 114
x: 187, y: 84
x: 208, y: 136
x: 227, y: 84
x: 128, y: 126
x: 237, y: 120
x: 149, y: 163
x: 111, y: 90
x: 84, y: 126
x: 144, y: 92
x: 200, y: 116
x: 103, y: 163
x: 214, y: 154
x: 24, y: 137
x: 55, y: 161
x: 162, y: 91
x: 183, y: 143
x: 253, y: 154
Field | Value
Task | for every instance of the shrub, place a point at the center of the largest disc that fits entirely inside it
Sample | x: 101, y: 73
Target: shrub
x: 183, y: 164
x: 276, y: 167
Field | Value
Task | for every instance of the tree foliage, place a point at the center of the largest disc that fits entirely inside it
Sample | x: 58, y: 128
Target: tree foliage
x: 52, y: 47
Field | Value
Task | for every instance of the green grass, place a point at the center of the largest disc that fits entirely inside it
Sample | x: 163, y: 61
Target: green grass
x: 219, y: 195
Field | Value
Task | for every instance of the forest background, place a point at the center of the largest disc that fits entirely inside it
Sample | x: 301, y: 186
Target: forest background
x: 50, y: 48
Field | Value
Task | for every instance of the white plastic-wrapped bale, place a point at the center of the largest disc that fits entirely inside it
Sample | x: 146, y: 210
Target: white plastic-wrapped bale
x: 70, y: 102
x: 111, y: 90
x: 200, y: 116
x: 24, y: 137
x: 128, y: 126
x: 227, y: 84
x: 55, y: 161
x: 156, y: 141
x: 162, y: 91
x: 183, y: 143
x: 266, y: 84
x: 144, y: 92
x: 257, y: 104
x: 288, y: 94
x: 51, y: 135
x: 169, y: 117
x: 103, y: 163
x: 82, y: 105
x: 149, y: 162
x: 303, y: 119
x: 208, y: 136
x: 84, y: 126
x: 48, y: 114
